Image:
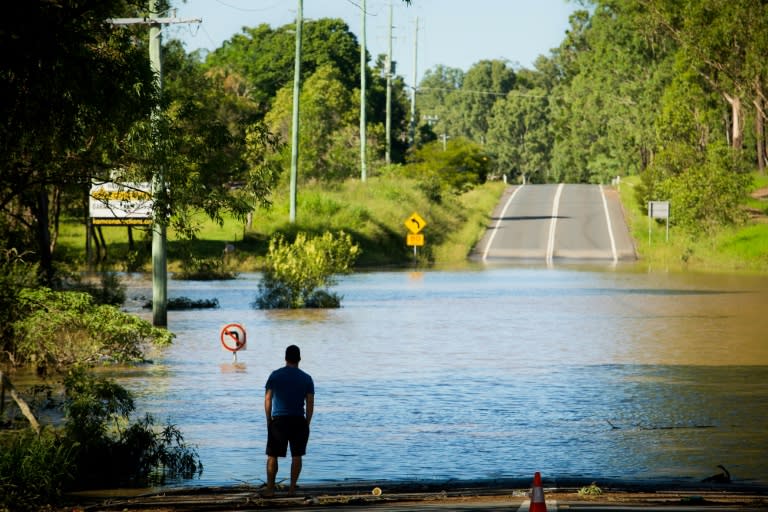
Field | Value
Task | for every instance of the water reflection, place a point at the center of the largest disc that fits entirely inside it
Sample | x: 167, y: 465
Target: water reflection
x: 482, y: 374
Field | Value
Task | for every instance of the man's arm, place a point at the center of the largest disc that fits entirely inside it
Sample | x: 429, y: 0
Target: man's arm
x: 310, y: 406
x: 268, y: 405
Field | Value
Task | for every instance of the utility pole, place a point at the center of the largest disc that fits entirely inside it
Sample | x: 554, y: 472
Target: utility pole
x: 159, y: 224
x: 295, y: 122
x: 412, y: 134
x: 388, y: 153
x: 363, y: 135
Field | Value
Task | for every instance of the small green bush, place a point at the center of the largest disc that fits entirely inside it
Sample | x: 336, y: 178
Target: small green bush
x: 297, y: 275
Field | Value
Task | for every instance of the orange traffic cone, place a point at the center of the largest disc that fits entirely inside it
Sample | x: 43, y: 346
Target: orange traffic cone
x: 537, y: 495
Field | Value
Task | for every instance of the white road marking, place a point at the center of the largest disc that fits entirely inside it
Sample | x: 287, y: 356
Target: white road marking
x: 610, y: 227
x: 498, y: 222
x: 553, y: 224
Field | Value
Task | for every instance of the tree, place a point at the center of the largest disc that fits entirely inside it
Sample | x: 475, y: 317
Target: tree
x: 328, y: 107
x: 605, y: 107
x: 434, y: 91
x: 519, y: 136
x: 72, y: 85
x: 264, y: 56
x: 454, y: 168
x: 470, y: 108
x: 725, y: 42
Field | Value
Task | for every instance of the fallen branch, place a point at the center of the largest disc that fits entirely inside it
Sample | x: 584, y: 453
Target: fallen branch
x: 23, y: 407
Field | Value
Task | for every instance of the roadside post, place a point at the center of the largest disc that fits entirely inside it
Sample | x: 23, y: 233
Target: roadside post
x: 233, y: 339
x: 415, y: 237
x: 658, y: 210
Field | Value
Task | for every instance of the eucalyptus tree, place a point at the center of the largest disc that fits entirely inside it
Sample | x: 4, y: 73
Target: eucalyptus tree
x: 604, y: 109
x: 470, y: 107
x: 264, y: 56
x: 723, y: 41
x: 519, y: 135
x: 329, y: 108
x: 437, y: 85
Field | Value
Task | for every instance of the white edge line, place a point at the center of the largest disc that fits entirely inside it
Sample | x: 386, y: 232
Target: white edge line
x: 498, y: 222
x: 610, y: 227
x: 553, y: 224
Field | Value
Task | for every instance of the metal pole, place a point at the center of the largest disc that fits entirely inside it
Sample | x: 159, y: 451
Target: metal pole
x: 363, y: 135
x: 388, y: 154
x: 296, y: 92
x: 159, y: 257
x: 412, y: 134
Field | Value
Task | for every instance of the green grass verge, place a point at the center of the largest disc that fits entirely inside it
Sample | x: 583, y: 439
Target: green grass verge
x: 374, y: 213
x: 731, y: 249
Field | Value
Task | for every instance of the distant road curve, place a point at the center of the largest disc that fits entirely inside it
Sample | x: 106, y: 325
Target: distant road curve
x: 557, y: 222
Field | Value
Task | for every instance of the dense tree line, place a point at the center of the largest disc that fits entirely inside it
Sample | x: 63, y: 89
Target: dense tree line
x: 673, y: 91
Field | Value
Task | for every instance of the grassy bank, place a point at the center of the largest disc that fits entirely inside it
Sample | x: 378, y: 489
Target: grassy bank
x: 731, y: 249
x: 374, y: 213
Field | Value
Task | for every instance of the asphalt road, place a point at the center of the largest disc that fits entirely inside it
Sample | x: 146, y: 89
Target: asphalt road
x: 558, y: 222
x: 396, y: 500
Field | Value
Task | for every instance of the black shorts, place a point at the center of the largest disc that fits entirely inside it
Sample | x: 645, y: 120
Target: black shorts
x: 287, y: 429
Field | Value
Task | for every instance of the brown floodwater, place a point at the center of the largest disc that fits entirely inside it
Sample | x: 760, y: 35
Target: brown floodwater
x: 488, y: 373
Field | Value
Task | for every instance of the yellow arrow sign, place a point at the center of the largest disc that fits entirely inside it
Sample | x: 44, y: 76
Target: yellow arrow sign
x: 415, y: 223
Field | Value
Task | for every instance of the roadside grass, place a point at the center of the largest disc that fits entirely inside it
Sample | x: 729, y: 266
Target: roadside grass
x: 732, y: 249
x: 374, y: 213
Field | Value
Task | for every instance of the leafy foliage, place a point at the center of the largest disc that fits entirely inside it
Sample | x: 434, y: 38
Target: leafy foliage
x: 72, y: 86
x: 519, y: 135
x: 98, y: 446
x: 453, y: 169
x: 704, y: 195
x: 15, y: 276
x: 297, y: 274
x: 34, y: 469
x: 62, y: 329
x: 111, y: 453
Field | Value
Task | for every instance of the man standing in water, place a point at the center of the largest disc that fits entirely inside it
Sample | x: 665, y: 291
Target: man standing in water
x: 287, y: 390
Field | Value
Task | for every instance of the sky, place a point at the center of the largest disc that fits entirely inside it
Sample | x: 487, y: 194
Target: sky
x: 453, y: 33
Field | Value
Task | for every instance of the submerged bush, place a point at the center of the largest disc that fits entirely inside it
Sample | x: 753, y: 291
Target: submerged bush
x: 62, y: 329
x: 112, y: 452
x: 297, y: 275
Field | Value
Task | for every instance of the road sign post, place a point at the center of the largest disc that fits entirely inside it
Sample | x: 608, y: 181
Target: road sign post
x: 415, y: 238
x: 658, y: 210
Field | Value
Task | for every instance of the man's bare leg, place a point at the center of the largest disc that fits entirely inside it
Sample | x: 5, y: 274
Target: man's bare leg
x: 271, y: 475
x: 295, y: 472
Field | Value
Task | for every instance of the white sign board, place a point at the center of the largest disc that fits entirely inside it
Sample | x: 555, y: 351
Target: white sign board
x: 658, y: 209
x: 121, y: 203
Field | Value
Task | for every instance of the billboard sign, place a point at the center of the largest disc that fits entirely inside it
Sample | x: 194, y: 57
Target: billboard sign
x: 121, y: 204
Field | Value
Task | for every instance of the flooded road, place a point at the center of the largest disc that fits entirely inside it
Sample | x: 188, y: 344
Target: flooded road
x: 490, y: 373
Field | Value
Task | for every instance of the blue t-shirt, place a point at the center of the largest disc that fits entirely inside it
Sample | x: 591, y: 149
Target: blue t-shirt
x: 289, y: 387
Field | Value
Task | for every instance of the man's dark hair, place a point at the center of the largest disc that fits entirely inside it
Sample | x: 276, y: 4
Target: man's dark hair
x: 292, y: 354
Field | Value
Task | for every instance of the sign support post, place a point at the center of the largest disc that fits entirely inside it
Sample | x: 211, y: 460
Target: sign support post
x: 658, y: 210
